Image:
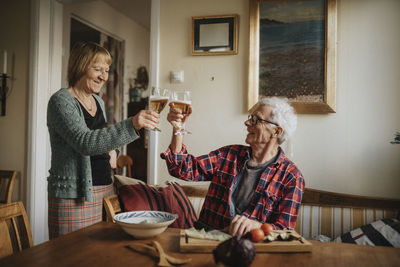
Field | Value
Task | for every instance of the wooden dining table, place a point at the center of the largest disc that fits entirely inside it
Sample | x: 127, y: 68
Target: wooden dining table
x: 106, y: 244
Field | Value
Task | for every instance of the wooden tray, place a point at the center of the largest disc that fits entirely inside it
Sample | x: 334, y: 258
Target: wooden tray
x: 189, y: 244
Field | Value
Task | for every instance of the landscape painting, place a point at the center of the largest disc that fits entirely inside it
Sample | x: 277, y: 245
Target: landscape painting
x: 292, y: 50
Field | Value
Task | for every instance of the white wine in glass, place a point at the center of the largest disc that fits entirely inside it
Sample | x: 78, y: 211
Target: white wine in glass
x: 157, y: 104
x: 182, y: 101
x: 158, y: 100
x: 183, y: 106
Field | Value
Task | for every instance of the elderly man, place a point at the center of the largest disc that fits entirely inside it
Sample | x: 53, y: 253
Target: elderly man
x: 250, y: 185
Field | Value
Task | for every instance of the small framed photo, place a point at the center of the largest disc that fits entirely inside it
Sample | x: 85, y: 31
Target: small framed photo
x: 214, y: 35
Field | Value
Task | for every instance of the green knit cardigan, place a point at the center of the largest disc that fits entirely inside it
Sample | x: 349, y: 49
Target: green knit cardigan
x: 72, y: 144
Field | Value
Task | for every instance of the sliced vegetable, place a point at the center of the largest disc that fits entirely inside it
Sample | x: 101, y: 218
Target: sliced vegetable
x: 284, y: 235
x: 202, y: 234
x: 272, y: 236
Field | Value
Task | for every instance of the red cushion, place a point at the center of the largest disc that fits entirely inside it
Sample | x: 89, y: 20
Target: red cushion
x: 171, y: 198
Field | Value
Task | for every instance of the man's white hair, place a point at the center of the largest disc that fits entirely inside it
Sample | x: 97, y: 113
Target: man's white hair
x: 283, y: 114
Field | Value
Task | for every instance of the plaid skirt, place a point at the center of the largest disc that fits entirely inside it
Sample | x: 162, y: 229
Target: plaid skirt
x: 70, y: 214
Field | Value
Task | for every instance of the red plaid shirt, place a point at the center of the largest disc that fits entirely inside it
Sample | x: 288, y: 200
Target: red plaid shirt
x: 276, y: 199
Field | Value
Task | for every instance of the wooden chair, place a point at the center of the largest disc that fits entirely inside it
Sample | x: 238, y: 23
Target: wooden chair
x: 15, y: 231
x: 7, y: 179
x: 122, y: 162
x: 112, y: 204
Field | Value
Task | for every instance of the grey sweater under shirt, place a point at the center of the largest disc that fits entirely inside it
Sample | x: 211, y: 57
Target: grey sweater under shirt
x: 249, y: 177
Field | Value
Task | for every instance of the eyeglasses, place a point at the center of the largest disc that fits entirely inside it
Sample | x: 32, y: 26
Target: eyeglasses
x: 254, y: 119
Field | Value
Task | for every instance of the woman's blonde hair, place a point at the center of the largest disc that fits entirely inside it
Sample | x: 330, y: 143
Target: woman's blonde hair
x: 84, y: 55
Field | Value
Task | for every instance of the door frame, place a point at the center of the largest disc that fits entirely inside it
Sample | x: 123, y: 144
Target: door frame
x: 45, y: 69
x: 152, y: 152
x: 46, y: 53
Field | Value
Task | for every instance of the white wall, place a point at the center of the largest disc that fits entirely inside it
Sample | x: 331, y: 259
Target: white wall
x: 213, y: 122
x: 348, y: 151
x: 107, y: 19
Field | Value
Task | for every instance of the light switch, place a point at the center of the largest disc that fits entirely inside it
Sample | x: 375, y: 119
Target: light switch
x: 176, y: 76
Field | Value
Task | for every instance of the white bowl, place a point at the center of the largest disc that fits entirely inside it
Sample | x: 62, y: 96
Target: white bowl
x: 144, y: 224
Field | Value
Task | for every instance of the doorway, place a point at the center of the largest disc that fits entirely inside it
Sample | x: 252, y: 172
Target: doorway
x: 47, y: 70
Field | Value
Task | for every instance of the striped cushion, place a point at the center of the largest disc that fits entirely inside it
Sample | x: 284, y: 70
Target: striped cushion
x: 171, y: 198
x: 385, y: 232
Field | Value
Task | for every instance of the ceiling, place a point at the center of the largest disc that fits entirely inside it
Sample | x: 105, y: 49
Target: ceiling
x: 137, y: 10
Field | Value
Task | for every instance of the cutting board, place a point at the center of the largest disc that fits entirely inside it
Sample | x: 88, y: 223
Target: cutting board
x: 189, y: 244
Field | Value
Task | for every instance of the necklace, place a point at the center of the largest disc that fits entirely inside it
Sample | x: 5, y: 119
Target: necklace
x: 83, y: 102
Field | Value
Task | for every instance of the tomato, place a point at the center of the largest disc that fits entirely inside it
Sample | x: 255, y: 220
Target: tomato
x: 267, y: 228
x: 257, y: 235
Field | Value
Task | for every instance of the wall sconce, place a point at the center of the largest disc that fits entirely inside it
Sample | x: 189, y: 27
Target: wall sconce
x: 4, y: 88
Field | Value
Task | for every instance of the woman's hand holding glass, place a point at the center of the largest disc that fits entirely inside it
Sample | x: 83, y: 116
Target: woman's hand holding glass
x: 145, y: 118
x: 158, y: 100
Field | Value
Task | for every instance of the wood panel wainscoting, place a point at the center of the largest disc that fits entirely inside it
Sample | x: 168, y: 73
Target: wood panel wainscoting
x: 333, y: 214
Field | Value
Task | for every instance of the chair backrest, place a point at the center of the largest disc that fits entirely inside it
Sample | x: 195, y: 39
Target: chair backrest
x: 15, y: 231
x: 7, y: 179
x: 112, y: 206
x: 122, y: 162
x: 333, y: 214
x: 196, y: 194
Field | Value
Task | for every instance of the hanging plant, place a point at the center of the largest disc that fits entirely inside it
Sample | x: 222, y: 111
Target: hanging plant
x: 140, y: 84
x: 142, y: 78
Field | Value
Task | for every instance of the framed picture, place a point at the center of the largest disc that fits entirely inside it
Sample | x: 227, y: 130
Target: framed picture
x: 214, y: 35
x: 292, y: 53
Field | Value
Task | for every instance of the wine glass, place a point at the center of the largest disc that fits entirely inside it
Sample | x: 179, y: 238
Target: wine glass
x: 158, y: 100
x: 182, y: 101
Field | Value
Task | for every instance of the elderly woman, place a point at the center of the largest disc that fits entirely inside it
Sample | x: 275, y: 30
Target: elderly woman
x: 83, y: 148
x: 250, y: 185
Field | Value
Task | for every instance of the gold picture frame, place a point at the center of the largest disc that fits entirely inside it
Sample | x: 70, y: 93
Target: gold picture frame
x: 327, y: 101
x: 214, y: 35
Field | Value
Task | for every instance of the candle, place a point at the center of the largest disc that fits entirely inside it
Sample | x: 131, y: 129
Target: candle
x: 5, y: 61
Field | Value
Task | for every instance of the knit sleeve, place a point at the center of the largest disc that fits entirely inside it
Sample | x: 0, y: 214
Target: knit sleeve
x: 63, y: 116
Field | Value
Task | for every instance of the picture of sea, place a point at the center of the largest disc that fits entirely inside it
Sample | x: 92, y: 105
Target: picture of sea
x: 292, y: 41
